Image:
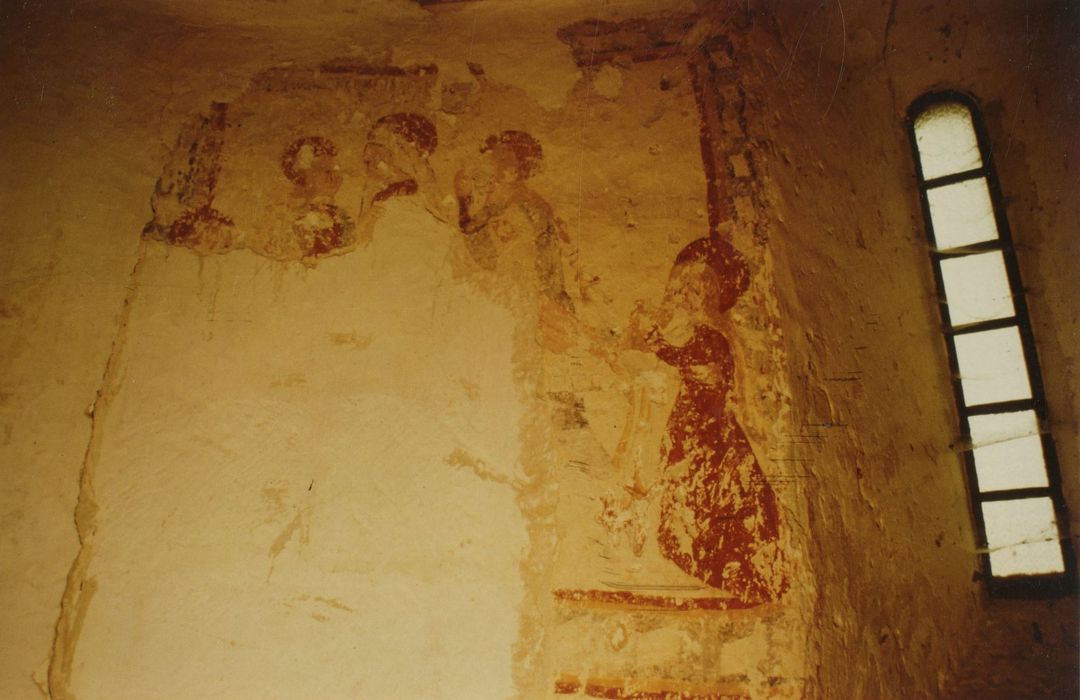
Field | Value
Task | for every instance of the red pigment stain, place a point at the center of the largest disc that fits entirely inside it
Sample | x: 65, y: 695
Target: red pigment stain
x: 707, y: 94
x: 185, y: 230
x: 197, y: 194
x: 594, y: 41
x: 567, y: 686
x: 629, y: 599
x: 414, y: 128
x: 718, y: 512
x: 464, y: 217
x: 618, y: 691
x: 215, y: 142
x: 708, y: 155
x: 600, y: 690
x: 323, y: 240
x: 397, y: 189
x: 321, y: 148
x: 217, y: 115
x: 527, y: 150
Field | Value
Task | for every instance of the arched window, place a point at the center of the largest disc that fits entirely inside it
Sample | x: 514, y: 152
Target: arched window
x: 1017, y: 505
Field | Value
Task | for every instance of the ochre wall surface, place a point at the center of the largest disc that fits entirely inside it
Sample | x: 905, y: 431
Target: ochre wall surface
x: 901, y: 612
x: 490, y: 349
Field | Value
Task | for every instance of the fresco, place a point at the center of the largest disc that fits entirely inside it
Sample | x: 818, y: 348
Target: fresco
x: 509, y: 227
x: 686, y: 507
x: 717, y: 518
x: 319, y: 192
x: 639, y: 480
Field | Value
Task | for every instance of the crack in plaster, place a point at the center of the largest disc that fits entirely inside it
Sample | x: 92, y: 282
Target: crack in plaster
x: 79, y: 589
x: 885, y: 52
x: 297, y: 524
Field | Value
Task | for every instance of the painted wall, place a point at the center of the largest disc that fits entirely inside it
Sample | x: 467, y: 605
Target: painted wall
x: 491, y: 350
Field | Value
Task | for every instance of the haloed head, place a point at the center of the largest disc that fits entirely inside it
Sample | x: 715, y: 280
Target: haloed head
x: 708, y: 277
x: 396, y: 146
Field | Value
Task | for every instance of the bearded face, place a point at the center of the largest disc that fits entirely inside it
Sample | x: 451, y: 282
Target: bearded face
x: 390, y: 164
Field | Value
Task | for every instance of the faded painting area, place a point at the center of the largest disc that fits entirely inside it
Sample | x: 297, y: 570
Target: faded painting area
x: 673, y: 562
x: 451, y: 389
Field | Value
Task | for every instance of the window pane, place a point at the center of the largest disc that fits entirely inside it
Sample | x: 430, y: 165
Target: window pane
x: 992, y: 366
x: 1008, y: 451
x: 946, y: 140
x: 1022, y: 537
x: 977, y: 288
x: 962, y: 214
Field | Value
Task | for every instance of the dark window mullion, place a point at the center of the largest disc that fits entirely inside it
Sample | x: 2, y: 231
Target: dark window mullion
x: 952, y: 179
x: 1031, y: 359
x: 992, y: 324
x: 1038, y: 584
x: 1014, y: 494
x: 971, y: 249
x: 983, y: 409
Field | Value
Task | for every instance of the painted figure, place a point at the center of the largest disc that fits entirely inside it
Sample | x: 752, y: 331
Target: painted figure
x: 508, y: 226
x: 322, y: 227
x: 396, y: 157
x: 718, y: 514
x: 190, y: 182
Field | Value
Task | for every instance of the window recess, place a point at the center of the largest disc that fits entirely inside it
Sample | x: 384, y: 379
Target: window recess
x: 1012, y: 471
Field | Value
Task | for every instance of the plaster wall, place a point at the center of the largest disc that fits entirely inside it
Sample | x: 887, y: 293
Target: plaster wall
x: 278, y: 423
x: 900, y: 597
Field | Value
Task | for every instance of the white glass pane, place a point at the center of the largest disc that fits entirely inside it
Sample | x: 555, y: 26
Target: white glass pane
x: 1008, y: 451
x: 1022, y: 537
x: 992, y: 366
x: 977, y: 288
x: 946, y: 140
x: 962, y: 214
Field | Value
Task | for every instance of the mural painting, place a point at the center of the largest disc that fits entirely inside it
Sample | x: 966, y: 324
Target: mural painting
x: 718, y: 516
x: 321, y: 225
x: 677, y: 516
x: 395, y: 156
x: 509, y: 228
x: 692, y: 492
x: 328, y: 186
x: 685, y: 522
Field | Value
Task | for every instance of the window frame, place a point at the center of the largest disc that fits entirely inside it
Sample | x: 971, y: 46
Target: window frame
x: 1017, y: 586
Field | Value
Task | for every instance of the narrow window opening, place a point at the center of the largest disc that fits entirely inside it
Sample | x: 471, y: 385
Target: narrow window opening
x: 1008, y: 451
x: 1016, y: 500
x: 962, y: 214
x: 977, y: 288
x: 946, y: 140
x: 1022, y: 537
x: 992, y: 368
